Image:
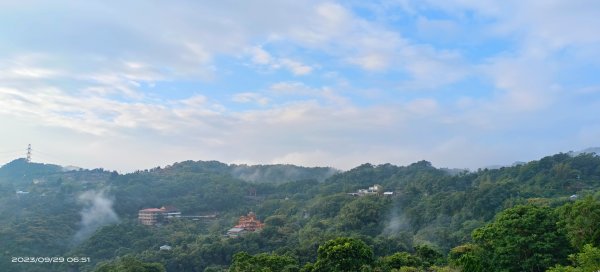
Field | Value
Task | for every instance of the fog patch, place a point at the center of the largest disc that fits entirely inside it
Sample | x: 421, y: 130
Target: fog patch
x: 97, y: 212
x: 280, y: 173
x: 397, y: 222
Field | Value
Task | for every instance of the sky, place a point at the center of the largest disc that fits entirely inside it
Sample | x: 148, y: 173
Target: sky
x: 127, y: 85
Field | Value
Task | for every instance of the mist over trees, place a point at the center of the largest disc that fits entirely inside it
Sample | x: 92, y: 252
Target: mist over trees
x: 537, y: 216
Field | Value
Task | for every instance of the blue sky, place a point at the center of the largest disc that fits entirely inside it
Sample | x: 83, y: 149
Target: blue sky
x: 129, y: 85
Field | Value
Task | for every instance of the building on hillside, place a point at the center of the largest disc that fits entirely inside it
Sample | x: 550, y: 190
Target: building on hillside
x: 249, y: 222
x: 153, y: 216
x: 373, y: 190
x: 21, y: 194
x: 38, y: 181
x: 573, y: 197
x: 201, y: 218
x: 150, y: 216
x: 170, y: 212
x: 246, y: 223
x: 235, y: 232
x: 165, y: 247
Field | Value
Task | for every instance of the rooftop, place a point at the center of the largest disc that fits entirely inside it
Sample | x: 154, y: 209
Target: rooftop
x: 152, y: 210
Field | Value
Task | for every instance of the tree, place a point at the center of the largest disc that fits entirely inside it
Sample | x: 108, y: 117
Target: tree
x: 429, y: 255
x: 587, y: 260
x: 363, y: 213
x: 468, y: 257
x: 343, y: 254
x: 401, y: 259
x: 263, y: 262
x: 580, y: 221
x: 523, y: 238
x: 130, y: 264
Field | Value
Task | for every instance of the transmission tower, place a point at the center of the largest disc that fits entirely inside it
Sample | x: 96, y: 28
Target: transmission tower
x: 29, y: 153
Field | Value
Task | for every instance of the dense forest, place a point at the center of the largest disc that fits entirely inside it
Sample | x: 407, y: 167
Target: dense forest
x: 536, y: 216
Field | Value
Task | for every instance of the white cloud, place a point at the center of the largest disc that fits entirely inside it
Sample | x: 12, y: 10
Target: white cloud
x: 195, y: 101
x: 326, y: 22
x: 93, y: 93
x: 101, y: 116
x: 372, y: 62
x: 250, y: 97
x: 439, y: 29
x: 27, y: 67
x: 545, y: 25
x: 296, y: 67
x: 261, y: 57
x: 294, y: 88
x: 422, y: 106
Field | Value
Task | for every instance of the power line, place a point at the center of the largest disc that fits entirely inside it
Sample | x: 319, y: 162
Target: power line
x: 11, y: 154
x: 28, y: 155
x: 48, y: 157
x: 11, y: 151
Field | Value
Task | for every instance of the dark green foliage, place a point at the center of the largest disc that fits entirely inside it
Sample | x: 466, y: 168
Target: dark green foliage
x: 20, y: 170
x: 429, y: 255
x: 115, y: 240
x: 244, y: 262
x: 585, y: 261
x: 343, y: 254
x: 401, y: 259
x: 523, y: 238
x: 364, y: 214
x: 581, y: 221
x: 130, y: 264
x: 279, y: 173
x: 469, y: 258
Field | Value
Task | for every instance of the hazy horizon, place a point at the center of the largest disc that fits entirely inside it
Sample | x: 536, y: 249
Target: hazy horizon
x: 133, y: 85
x: 491, y: 166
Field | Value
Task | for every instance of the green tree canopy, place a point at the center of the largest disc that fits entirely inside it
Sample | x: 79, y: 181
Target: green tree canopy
x: 343, y: 254
x: 401, y: 259
x: 130, y: 264
x: 523, y: 238
x: 263, y: 262
x: 587, y: 260
x: 467, y: 257
x: 580, y: 221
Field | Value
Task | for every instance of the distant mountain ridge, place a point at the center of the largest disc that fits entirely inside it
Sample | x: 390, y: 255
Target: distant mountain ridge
x: 589, y: 150
x: 595, y: 150
x: 21, y: 167
x: 275, y: 173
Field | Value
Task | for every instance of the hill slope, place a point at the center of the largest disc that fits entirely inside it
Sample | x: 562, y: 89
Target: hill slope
x: 94, y: 212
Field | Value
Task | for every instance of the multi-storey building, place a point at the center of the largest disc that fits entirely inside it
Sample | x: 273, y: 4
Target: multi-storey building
x: 246, y: 223
x: 153, y: 216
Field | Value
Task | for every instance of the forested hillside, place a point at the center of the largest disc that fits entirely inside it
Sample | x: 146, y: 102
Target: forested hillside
x: 527, y: 217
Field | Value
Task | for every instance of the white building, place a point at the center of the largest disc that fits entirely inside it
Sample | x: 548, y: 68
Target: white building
x: 166, y: 247
x: 235, y: 232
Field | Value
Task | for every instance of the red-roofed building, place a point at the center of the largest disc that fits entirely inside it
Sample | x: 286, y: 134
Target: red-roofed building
x: 249, y: 222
